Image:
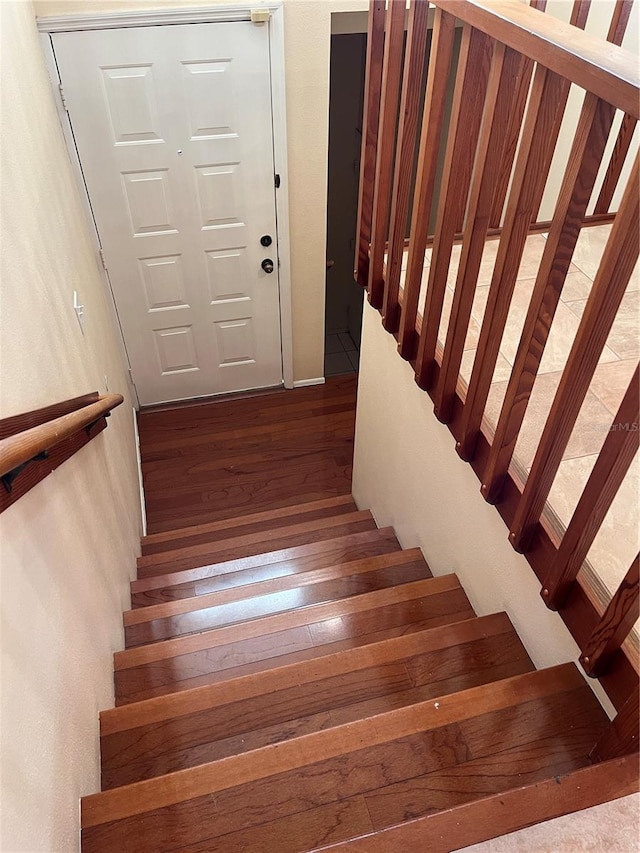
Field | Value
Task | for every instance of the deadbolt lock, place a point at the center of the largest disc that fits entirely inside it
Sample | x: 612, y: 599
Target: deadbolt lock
x: 266, y: 240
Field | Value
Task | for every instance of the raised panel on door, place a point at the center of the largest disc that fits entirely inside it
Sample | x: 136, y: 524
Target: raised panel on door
x: 173, y: 130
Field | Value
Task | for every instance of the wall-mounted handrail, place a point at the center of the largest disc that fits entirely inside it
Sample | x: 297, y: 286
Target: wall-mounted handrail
x: 482, y: 167
x: 18, y: 449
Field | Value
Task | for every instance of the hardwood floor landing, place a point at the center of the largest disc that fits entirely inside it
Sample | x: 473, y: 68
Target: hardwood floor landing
x: 224, y: 458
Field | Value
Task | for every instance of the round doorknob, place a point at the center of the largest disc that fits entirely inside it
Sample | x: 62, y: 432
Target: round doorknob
x: 267, y: 265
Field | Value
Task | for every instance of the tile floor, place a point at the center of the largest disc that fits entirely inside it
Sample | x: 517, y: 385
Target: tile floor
x: 341, y: 354
x: 619, y: 538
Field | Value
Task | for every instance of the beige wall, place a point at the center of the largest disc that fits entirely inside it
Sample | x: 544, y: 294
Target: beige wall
x: 307, y: 46
x: 67, y: 547
x: 407, y: 471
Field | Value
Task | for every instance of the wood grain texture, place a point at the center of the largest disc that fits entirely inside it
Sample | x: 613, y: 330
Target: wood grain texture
x: 498, y: 814
x: 610, y: 469
x: 251, y: 544
x: 250, y: 523
x: 165, y: 708
x: 608, y: 71
x: 41, y: 468
x: 618, y: 619
x: 502, y: 89
x: 547, y: 101
x: 390, y: 97
x: 285, y: 561
x: 442, y: 43
x: 214, y: 615
x: 615, y: 270
x: 370, y: 120
x: 198, y: 659
x: 577, y: 185
x: 22, y: 447
x: 408, y: 127
x: 295, y: 580
x: 306, y: 696
x: 390, y: 760
x: 578, y: 18
x: 621, y: 736
x: 226, y: 774
x: 27, y: 420
x: 219, y: 460
x: 513, y: 132
x: 616, y: 164
x: 464, y: 128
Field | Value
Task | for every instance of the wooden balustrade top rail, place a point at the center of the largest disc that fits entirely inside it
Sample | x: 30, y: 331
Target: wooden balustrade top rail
x: 18, y: 449
x: 605, y: 69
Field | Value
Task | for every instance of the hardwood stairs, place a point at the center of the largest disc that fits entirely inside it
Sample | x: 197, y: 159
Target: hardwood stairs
x: 293, y: 681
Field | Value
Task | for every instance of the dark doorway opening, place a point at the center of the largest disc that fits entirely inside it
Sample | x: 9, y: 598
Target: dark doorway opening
x: 343, y: 306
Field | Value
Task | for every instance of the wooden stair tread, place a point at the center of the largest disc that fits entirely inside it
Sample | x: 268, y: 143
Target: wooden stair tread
x: 548, y: 719
x: 282, y: 582
x: 252, y: 522
x: 196, y: 659
x: 161, y: 735
x: 205, y: 612
x: 255, y: 543
x: 272, y: 564
x: 497, y: 814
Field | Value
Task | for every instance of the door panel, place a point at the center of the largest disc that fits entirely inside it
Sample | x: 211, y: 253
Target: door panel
x: 173, y: 130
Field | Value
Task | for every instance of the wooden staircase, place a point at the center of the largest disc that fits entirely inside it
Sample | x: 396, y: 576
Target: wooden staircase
x: 293, y: 681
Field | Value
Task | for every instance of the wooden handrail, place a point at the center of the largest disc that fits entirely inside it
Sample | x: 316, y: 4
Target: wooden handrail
x: 24, y: 446
x: 609, y: 71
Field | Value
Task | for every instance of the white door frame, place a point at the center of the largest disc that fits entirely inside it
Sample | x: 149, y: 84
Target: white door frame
x: 207, y: 15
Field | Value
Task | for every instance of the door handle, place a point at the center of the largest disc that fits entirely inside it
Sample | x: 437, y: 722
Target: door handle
x: 267, y: 265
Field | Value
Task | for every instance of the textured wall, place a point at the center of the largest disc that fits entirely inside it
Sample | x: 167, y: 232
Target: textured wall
x: 67, y: 547
x: 307, y: 46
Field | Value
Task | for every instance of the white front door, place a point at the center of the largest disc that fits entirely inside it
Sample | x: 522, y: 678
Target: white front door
x: 174, y: 134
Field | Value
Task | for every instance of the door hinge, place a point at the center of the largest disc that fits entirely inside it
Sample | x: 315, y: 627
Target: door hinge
x: 62, y: 97
x: 104, y: 263
x: 277, y: 181
x: 131, y: 376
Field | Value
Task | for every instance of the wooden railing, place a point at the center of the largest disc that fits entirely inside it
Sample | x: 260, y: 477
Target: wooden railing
x: 33, y: 444
x: 475, y: 161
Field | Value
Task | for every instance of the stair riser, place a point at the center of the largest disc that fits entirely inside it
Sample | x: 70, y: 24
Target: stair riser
x: 177, y: 743
x: 212, y: 533
x: 278, y: 602
x: 286, y: 646
x: 234, y: 594
x: 236, y: 551
x: 399, y: 778
x: 331, y: 552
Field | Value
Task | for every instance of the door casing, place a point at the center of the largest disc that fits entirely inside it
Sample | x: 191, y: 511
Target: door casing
x: 235, y: 12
